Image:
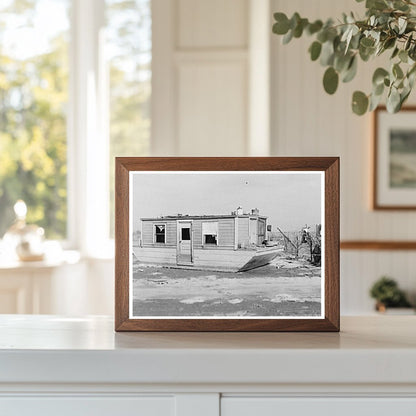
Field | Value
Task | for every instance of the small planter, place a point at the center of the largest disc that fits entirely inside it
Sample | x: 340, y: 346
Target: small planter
x: 382, y: 309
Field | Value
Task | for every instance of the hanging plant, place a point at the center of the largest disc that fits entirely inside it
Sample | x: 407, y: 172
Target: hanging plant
x: 389, y: 27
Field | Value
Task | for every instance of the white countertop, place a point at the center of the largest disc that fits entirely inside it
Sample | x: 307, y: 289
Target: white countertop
x: 53, y: 349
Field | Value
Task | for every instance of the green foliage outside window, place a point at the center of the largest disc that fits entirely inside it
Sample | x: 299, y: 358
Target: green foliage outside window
x: 33, y: 99
x: 34, y: 104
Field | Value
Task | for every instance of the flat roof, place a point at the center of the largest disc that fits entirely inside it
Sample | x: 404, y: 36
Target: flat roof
x: 201, y: 217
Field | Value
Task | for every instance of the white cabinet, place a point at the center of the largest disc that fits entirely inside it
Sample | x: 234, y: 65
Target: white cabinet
x: 87, y: 406
x: 270, y: 406
x: 52, y: 365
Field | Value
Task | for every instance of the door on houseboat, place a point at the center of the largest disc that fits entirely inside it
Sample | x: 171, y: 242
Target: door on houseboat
x: 184, y: 247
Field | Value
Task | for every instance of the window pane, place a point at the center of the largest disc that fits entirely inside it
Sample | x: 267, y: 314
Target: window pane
x: 160, y: 233
x: 129, y: 46
x: 33, y: 100
x: 186, y: 234
x: 210, y: 239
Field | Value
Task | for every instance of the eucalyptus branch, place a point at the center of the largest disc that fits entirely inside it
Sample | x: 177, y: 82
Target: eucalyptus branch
x: 388, y: 25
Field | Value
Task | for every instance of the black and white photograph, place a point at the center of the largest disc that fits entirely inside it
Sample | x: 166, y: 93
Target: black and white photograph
x: 394, y: 159
x: 403, y: 158
x: 226, y: 244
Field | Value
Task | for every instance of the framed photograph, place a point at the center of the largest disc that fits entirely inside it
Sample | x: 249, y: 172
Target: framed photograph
x: 394, y: 179
x: 227, y: 244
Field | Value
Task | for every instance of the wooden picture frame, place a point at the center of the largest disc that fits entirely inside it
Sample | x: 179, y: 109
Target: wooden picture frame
x: 141, y: 184
x: 394, y: 145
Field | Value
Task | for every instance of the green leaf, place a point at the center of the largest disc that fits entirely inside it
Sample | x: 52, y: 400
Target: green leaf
x: 327, y: 53
x: 330, y: 80
x: 298, y: 30
x: 281, y: 27
x: 288, y: 37
x: 389, y: 43
x: 367, y: 42
x: 411, y: 76
x: 412, y: 52
x: 393, y: 101
x: 294, y: 20
x: 403, y: 56
x: 351, y: 71
x: 348, y: 35
x: 395, y: 52
x: 366, y: 53
x: 315, y: 50
x: 322, y: 36
x: 341, y: 61
x: 379, y: 75
x: 374, y: 101
x: 314, y: 27
x: 402, y: 24
x: 378, y: 89
x: 400, y: 5
x: 355, y: 41
x: 397, y: 71
x: 408, y: 42
x: 404, y: 95
x: 376, y: 4
x: 359, y: 103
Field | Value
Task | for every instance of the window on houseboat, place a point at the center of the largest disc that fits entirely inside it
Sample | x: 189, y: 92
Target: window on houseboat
x: 160, y: 233
x: 210, y: 232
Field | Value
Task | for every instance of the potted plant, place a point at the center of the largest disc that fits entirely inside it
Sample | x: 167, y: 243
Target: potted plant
x: 389, y: 27
x: 387, y: 294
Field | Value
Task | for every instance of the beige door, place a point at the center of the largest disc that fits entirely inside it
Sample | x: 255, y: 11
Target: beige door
x: 253, y: 231
x: 184, y: 254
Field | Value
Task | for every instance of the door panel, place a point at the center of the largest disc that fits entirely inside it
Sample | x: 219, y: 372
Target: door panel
x: 184, y: 254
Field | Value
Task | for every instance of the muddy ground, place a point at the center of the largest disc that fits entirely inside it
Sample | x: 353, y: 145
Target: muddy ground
x: 286, y: 287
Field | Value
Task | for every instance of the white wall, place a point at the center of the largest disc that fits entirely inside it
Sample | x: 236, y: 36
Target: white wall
x: 211, y: 92
x: 308, y: 122
x: 203, y: 84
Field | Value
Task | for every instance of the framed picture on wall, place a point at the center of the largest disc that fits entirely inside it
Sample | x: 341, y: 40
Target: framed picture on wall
x: 394, y: 179
x: 227, y: 244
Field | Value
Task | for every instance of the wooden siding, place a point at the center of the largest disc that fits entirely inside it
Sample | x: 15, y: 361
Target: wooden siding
x: 243, y: 237
x: 221, y: 259
x: 225, y: 232
x: 148, y: 231
x: 197, y: 233
x: 157, y: 255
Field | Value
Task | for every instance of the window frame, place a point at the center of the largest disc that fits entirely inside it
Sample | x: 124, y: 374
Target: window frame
x: 204, y: 234
x: 163, y: 224
x: 87, y: 132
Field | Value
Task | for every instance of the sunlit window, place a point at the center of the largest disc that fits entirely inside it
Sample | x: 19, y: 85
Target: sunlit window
x: 33, y: 102
x: 41, y: 87
x: 129, y: 44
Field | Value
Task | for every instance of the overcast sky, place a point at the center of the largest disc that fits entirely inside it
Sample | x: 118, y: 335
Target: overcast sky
x: 289, y: 200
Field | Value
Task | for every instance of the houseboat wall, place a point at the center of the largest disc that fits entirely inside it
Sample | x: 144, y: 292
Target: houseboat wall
x: 148, y: 233
x: 225, y: 233
x: 236, y: 239
x: 243, y: 236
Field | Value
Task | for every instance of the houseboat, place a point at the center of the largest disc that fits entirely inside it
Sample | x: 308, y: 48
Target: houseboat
x: 234, y: 242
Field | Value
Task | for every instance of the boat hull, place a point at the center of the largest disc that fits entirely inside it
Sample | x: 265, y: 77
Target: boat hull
x: 261, y: 258
x: 209, y: 259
